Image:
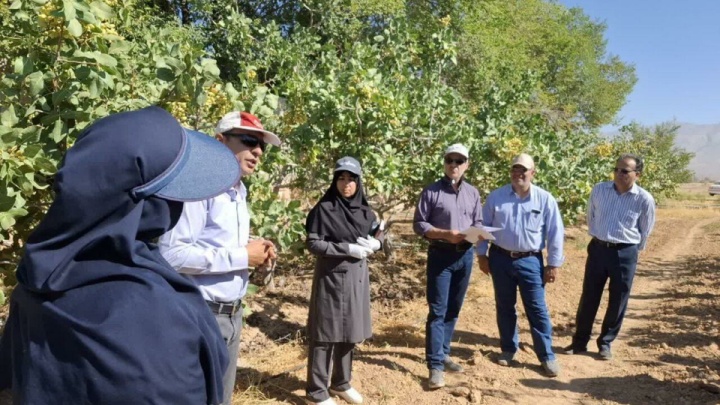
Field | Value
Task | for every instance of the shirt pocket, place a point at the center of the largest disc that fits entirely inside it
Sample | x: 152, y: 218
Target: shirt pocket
x: 500, y: 218
x: 630, y: 218
x: 533, y: 219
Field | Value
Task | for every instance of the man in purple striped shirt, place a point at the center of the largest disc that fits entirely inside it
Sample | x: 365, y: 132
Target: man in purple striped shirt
x: 446, y: 208
x: 620, y: 218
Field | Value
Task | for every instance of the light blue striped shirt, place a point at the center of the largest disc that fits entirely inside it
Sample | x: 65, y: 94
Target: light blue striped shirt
x: 621, y: 218
x: 526, y: 223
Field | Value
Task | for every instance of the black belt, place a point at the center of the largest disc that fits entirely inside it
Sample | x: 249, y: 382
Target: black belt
x: 514, y: 255
x: 459, y: 247
x: 610, y: 244
x: 225, y: 308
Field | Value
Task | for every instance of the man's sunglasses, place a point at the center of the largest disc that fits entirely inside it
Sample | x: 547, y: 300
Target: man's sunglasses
x: 623, y: 171
x: 248, y: 140
x: 456, y: 161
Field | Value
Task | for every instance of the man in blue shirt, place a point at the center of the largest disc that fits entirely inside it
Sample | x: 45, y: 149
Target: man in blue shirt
x: 529, y: 216
x: 446, y: 208
x: 620, y: 218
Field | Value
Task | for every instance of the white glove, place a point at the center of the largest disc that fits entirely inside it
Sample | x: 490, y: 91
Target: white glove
x: 369, y: 242
x: 358, y: 252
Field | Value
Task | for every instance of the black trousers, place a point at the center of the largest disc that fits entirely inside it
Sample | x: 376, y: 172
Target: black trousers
x: 617, y: 263
x: 324, y: 358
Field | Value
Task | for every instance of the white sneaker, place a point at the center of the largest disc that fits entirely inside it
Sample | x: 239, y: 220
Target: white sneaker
x: 351, y: 395
x: 328, y: 401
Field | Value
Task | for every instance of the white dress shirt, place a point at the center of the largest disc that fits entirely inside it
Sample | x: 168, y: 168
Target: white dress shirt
x: 208, y: 245
x: 621, y: 218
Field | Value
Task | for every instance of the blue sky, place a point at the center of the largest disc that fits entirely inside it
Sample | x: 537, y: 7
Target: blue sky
x: 675, y: 47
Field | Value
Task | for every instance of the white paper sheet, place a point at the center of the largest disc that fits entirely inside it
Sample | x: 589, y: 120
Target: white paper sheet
x: 473, y: 234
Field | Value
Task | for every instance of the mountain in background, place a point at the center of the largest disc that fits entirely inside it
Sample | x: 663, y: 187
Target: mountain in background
x: 704, y: 142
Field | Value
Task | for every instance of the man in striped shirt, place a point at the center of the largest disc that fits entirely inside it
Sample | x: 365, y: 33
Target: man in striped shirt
x: 620, y: 217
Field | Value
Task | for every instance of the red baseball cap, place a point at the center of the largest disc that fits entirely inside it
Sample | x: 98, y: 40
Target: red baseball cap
x: 245, y: 120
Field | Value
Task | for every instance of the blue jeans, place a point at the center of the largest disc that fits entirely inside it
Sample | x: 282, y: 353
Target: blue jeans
x: 603, y: 263
x: 508, y: 275
x: 448, y: 276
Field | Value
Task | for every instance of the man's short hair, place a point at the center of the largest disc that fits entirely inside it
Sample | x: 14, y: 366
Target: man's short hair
x: 639, y: 165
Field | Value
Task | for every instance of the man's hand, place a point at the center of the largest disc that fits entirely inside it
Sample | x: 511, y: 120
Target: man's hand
x: 484, y: 264
x: 270, y: 249
x: 259, y: 252
x: 455, y: 236
x: 551, y: 274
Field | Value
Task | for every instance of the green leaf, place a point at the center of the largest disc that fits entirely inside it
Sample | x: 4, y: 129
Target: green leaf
x: 36, y: 82
x: 252, y: 289
x: 101, y: 10
x: 105, y: 59
x: 210, y: 69
x: 93, y: 89
x: 17, y: 4
x: 6, y: 220
x: 69, y: 10
x: 57, y: 132
x: 2, y: 298
x: 74, y: 28
x: 8, y: 117
x: 165, y: 74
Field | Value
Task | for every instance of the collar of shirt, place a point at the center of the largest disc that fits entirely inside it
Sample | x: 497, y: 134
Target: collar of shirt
x: 237, y: 189
x: 530, y: 195
x: 448, y: 183
x: 633, y: 189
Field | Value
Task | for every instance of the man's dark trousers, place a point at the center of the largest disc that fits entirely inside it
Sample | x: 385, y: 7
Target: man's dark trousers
x: 617, y: 263
x: 448, y: 276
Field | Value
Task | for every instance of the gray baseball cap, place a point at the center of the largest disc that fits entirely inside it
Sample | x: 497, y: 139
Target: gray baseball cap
x: 348, y: 164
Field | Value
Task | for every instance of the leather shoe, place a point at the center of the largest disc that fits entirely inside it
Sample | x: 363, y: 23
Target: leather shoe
x: 605, y: 353
x: 451, y: 366
x: 505, y: 358
x: 437, y: 379
x: 551, y: 367
x: 574, y: 350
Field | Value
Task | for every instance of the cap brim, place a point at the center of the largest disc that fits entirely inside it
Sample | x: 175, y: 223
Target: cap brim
x: 209, y: 168
x: 349, y: 170
x: 459, y: 153
x: 268, y: 137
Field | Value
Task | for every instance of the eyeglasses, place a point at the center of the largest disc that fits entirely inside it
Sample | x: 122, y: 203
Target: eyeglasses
x: 458, y: 162
x: 519, y: 170
x: 248, y: 140
x: 623, y: 171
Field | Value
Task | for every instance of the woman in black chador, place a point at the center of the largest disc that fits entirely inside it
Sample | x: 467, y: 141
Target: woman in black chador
x: 341, y: 232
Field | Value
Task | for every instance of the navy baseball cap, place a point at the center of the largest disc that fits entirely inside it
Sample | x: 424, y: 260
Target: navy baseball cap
x: 203, y: 168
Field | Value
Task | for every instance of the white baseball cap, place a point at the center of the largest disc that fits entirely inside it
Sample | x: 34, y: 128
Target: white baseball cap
x: 524, y: 160
x: 247, y: 121
x: 459, y: 149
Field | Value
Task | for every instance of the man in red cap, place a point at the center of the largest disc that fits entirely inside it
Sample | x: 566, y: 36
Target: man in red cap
x: 210, y: 244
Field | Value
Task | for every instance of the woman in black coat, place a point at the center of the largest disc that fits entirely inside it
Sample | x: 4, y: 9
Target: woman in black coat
x: 342, y: 232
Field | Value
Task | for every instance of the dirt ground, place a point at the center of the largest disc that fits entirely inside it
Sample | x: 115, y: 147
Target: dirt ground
x: 667, y: 353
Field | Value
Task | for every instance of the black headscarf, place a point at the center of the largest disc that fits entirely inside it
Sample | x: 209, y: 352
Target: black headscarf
x: 341, y: 219
x: 98, y: 316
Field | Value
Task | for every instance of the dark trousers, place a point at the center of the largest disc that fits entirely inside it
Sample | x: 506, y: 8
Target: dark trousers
x: 448, y: 276
x: 603, y: 262
x: 525, y: 274
x: 230, y: 328
x: 322, y: 358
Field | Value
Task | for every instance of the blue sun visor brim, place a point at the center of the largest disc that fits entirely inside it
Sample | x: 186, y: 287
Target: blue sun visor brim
x: 204, y: 169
